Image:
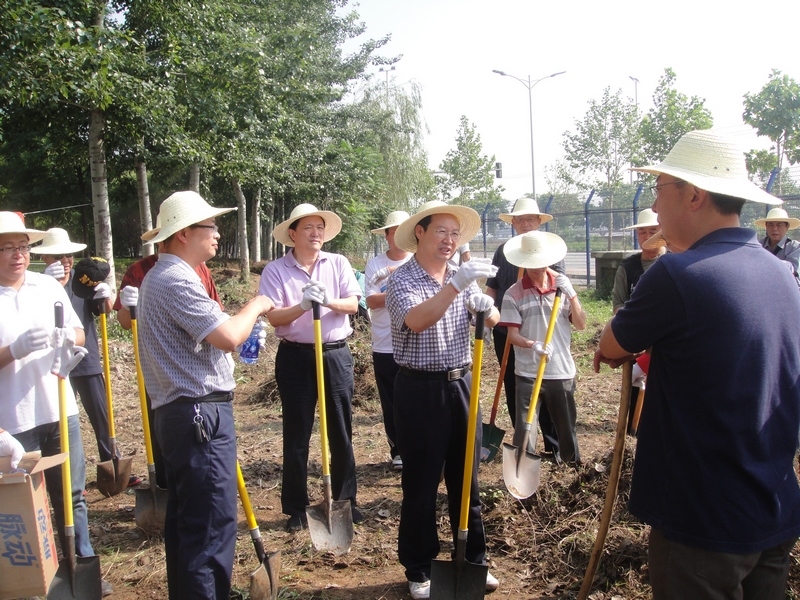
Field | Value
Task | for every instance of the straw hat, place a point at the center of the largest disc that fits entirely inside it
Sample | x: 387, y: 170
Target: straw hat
x: 468, y: 220
x: 393, y: 219
x: 654, y: 242
x: 778, y: 215
x: 55, y: 242
x: 11, y: 222
x: 333, y: 224
x: 525, y: 206
x: 535, y: 249
x: 149, y: 235
x: 713, y: 163
x: 181, y: 210
x: 647, y: 218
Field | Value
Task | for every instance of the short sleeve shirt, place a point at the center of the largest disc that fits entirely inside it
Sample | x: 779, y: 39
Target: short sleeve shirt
x: 90, y: 365
x: 381, y: 323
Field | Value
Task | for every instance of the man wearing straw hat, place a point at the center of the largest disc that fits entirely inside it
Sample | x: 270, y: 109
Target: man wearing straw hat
x: 633, y: 267
x: 30, y: 347
x: 185, y: 340
x: 778, y: 223
x: 304, y: 276
x: 527, y: 306
x: 523, y: 218
x: 377, y: 273
x: 430, y: 304
x: 713, y: 473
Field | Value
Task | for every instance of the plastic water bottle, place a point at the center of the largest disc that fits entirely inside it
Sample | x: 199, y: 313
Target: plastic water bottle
x: 249, y: 353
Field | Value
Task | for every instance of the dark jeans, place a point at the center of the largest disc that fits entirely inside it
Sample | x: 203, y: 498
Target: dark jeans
x: 549, y: 434
x: 385, y: 373
x: 296, y: 375
x: 678, y: 572
x: 431, y: 418
x: 91, y: 389
x: 201, y: 520
x: 47, y: 439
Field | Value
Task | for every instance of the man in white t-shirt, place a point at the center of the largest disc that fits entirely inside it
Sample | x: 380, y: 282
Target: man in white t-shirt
x: 377, y: 274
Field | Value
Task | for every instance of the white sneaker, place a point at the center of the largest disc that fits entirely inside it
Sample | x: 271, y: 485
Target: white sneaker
x: 420, y: 590
x: 491, y: 582
x: 397, y: 463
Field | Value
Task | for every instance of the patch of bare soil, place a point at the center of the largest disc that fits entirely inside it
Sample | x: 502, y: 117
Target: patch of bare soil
x: 538, y: 548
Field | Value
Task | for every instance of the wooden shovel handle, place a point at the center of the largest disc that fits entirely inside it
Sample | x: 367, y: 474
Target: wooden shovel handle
x: 503, y: 365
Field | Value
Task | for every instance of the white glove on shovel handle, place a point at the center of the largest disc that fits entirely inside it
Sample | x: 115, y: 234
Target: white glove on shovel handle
x: 129, y: 296
x: 543, y: 350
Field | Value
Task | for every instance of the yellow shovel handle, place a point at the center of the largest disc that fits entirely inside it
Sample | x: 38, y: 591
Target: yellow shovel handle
x: 107, y: 373
x: 148, y: 441
x: 543, y: 360
x: 323, y: 419
x: 245, y: 498
x: 63, y: 431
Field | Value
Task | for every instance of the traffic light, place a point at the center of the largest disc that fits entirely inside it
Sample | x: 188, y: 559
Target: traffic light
x: 498, y: 170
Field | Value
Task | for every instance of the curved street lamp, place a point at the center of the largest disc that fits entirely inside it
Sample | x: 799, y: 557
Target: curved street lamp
x: 529, y: 84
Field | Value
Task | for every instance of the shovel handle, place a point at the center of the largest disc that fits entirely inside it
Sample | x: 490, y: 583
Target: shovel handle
x: 148, y: 440
x: 323, y: 418
x: 542, y: 362
x: 63, y: 431
x: 637, y: 413
x: 107, y: 374
x: 503, y: 365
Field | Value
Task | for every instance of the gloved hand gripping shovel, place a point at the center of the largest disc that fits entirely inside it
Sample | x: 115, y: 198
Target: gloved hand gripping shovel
x: 330, y: 522
x: 77, y: 577
x: 459, y: 579
x: 151, y: 502
x: 264, y: 580
x: 521, y: 469
x: 112, y: 475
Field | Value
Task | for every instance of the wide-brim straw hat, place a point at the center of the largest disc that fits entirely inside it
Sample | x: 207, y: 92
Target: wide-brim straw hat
x: 469, y: 223
x: 525, y: 206
x: 647, y: 218
x: 393, y: 219
x: 535, y: 250
x: 56, y: 241
x: 654, y: 242
x: 12, y: 223
x: 713, y: 163
x: 333, y: 224
x: 149, y: 235
x: 778, y: 215
x: 181, y: 210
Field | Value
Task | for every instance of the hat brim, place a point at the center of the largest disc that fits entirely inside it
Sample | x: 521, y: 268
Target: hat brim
x: 34, y: 235
x: 793, y: 223
x: 509, y: 217
x: 552, y: 251
x: 469, y: 223
x: 333, y: 225
x: 63, y: 248
x: 187, y: 221
x: 654, y: 242
x: 641, y: 226
x: 147, y: 236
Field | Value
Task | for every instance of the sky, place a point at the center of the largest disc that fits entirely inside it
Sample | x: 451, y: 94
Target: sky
x: 718, y: 50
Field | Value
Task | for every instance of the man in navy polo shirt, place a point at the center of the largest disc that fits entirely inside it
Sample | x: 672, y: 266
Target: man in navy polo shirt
x: 713, y: 474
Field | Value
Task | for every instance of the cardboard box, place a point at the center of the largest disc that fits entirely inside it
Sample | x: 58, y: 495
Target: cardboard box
x: 28, y: 557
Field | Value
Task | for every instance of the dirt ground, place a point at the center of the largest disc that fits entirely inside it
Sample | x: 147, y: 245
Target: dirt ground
x: 538, y: 548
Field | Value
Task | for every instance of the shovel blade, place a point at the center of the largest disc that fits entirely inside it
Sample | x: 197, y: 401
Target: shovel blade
x: 113, y: 476
x: 521, y: 471
x: 453, y: 581
x: 331, y: 526
x: 492, y: 440
x: 264, y: 580
x: 87, y: 582
x: 151, y: 509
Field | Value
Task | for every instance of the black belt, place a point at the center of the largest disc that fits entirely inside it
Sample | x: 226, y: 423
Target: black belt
x: 325, y: 345
x: 451, y: 375
x: 213, y: 397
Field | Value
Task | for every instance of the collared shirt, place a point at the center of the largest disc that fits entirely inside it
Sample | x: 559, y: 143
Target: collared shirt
x: 175, y: 317
x: 282, y: 280
x: 786, y: 249
x: 445, y: 344
x: 30, y: 391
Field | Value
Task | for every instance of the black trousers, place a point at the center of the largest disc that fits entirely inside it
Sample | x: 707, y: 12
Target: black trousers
x: 296, y: 375
x: 91, y: 389
x: 549, y: 433
x: 385, y: 373
x: 431, y: 419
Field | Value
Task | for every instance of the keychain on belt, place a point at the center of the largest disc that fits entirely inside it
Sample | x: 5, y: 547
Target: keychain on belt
x: 200, y: 434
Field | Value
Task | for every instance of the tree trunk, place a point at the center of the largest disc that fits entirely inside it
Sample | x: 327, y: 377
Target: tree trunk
x: 145, y: 220
x: 255, y: 245
x: 194, y: 178
x: 244, y: 257
x: 268, y: 227
x: 104, y: 247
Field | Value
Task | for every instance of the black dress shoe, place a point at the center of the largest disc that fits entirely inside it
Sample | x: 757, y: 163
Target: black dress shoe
x: 296, y: 523
x: 357, y: 516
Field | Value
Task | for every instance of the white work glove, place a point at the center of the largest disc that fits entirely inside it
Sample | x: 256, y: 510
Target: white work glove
x: 463, y: 248
x: 55, y: 270
x: 479, y: 303
x: 67, y: 354
x: 315, y: 291
x: 471, y: 271
x: 36, y: 338
x: 379, y: 275
x: 563, y: 282
x: 542, y: 350
x: 9, y: 446
x: 129, y: 296
x: 638, y: 376
x: 102, y: 291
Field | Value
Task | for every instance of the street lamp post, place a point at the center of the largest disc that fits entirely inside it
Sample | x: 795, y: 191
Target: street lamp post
x: 635, y: 91
x: 529, y: 84
x: 382, y: 70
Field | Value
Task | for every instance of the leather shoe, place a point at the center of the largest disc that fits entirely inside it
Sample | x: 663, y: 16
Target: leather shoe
x: 296, y: 523
x: 106, y: 588
x: 357, y: 516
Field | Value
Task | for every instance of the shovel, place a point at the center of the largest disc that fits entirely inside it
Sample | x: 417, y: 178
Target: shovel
x: 264, y: 580
x: 112, y: 475
x: 613, y: 481
x: 521, y: 469
x: 76, y: 577
x: 637, y: 412
x: 330, y: 522
x: 151, y: 502
x: 459, y: 579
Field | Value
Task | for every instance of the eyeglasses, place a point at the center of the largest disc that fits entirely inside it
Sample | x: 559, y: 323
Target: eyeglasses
x: 654, y: 188
x: 441, y: 234
x: 12, y: 250
x: 213, y: 228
